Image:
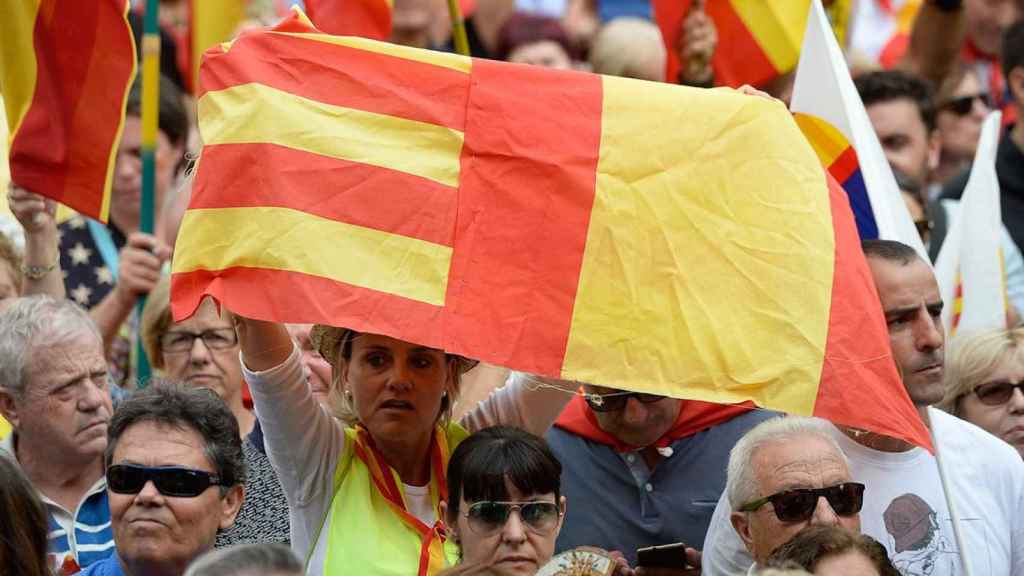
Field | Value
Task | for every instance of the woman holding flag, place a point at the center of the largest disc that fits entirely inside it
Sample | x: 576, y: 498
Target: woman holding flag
x: 368, y: 494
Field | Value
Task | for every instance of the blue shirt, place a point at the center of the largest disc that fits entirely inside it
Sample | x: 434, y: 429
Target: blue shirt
x: 615, y: 502
x: 109, y: 566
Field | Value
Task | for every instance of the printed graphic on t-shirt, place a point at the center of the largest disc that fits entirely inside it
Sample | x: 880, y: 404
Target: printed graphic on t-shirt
x: 918, y: 542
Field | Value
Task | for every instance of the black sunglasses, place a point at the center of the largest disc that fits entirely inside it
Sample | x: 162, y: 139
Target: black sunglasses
x: 996, y: 393
x: 963, y: 105
x: 488, y: 517
x: 169, y: 480
x: 798, y: 505
x: 616, y: 401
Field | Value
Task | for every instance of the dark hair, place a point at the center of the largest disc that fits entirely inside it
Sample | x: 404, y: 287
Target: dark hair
x: 23, y: 543
x: 888, y: 85
x: 815, y: 543
x: 267, y: 558
x: 173, y: 120
x: 480, y: 465
x: 524, y: 28
x: 890, y: 250
x: 186, y: 408
x: 1013, y: 48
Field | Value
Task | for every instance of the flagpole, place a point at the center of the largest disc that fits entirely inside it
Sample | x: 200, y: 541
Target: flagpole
x: 954, y: 516
x: 459, y: 37
x: 150, y: 115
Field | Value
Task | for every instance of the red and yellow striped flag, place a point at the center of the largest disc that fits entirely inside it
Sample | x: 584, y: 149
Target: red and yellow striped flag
x: 639, y: 235
x: 366, y: 18
x: 65, y: 71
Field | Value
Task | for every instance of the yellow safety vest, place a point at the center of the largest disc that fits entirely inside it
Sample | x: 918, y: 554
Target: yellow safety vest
x: 5, y: 428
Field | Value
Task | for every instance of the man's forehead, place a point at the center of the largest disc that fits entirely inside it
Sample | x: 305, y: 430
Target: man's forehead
x: 900, y: 285
x: 799, y: 463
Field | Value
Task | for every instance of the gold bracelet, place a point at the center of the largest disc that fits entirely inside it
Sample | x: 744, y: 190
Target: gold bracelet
x: 39, y: 272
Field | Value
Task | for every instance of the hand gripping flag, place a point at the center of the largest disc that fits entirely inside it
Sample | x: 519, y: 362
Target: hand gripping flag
x: 640, y: 235
x: 832, y: 117
x: 969, y: 267
x: 65, y: 71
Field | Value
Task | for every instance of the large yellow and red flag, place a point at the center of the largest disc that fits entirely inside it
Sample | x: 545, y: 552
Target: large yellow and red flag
x: 366, y: 18
x: 640, y: 235
x: 65, y: 71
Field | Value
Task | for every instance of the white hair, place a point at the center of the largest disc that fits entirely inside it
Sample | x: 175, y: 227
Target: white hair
x: 247, y: 559
x: 33, y: 321
x: 741, y: 485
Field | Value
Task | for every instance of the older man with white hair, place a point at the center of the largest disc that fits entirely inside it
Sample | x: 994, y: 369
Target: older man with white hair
x: 54, y: 390
x: 786, y: 474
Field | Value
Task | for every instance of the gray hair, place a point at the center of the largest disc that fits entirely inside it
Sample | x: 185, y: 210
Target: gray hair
x: 247, y: 560
x: 186, y: 408
x: 29, y: 322
x: 741, y: 485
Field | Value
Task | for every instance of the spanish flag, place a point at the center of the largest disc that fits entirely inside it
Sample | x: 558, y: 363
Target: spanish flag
x: 65, y: 71
x: 639, y: 235
x: 366, y: 18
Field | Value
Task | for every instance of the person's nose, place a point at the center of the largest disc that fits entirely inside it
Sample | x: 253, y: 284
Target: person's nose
x: 1016, y: 402
x: 93, y: 396
x: 149, y: 495
x: 928, y: 334
x: 400, y: 377
x: 979, y: 109
x: 824, y: 515
x: 635, y: 411
x: 200, y: 353
x: 514, y: 530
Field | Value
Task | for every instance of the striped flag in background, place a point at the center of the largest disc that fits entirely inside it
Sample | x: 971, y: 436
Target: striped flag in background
x: 65, y: 71
x: 537, y: 219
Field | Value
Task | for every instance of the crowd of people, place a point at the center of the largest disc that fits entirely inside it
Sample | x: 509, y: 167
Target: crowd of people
x: 263, y: 448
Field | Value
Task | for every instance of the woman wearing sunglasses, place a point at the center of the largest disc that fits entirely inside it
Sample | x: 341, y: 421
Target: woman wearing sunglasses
x: 367, y: 492
x: 962, y: 104
x: 985, y: 383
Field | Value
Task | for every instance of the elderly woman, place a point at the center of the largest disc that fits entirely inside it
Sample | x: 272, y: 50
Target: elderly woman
x: 368, y: 494
x: 203, y: 352
x: 985, y: 383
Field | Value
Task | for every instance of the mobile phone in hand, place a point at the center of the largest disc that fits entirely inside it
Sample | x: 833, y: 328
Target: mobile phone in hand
x: 667, y: 556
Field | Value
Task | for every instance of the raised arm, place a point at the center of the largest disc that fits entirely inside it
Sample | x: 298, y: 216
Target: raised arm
x: 935, y: 40
x: 525, y: 401
x: 41, y: 266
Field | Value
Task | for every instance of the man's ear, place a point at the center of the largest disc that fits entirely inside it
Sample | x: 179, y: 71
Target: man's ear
x: 1016, y: 83
x: 230, y: 504
x: 9, y: 408
x: 741, y: 523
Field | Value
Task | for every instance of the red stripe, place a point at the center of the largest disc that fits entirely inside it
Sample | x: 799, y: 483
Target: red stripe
x: 844, y: 165
x: 85, y: 56
x: 528, y: 178
x: 250, y: 175
x: 310, y: 299
x: 739, y: 58
x: 341, y: 76
x: 860, y: 386
x: 366, y: 18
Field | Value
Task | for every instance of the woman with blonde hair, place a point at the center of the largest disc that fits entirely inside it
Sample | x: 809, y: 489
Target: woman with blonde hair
x: 984, y: 380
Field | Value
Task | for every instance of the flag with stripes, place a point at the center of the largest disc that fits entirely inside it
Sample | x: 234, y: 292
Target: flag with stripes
x: 640, y: 235
x: 833, y: 119
x: 65, y: 71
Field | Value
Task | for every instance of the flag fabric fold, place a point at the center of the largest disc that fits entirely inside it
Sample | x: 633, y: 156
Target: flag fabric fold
x: 833, y: 119
x: 65, y: 71
x: 537, y: 219
x: 969, y: 267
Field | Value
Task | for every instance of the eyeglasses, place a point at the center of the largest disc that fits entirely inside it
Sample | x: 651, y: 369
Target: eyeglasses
x: 169, y: 480
x: 182, y: 341
x: 616, y: 401
x: 798, y: 505
x: 996, y: 393
x: 963, y: 105
x: 486, y: 518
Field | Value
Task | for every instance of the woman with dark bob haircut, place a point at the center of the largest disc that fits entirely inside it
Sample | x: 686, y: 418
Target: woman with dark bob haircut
x: 833, y: 550
x: 24, y: 526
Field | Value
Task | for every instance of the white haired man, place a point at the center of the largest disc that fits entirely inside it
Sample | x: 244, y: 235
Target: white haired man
x: 905, y: 507
x: 786, y: 474
x: 54, y: 390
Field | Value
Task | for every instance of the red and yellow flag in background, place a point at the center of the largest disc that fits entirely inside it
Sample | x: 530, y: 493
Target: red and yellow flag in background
x: 537, y: 219
x: 65, y: 71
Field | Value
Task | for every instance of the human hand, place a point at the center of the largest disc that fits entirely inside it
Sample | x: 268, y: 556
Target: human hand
x: 696, y: 46
x: 140, y: 265
x: 693, y: 558
x: 35, y: 212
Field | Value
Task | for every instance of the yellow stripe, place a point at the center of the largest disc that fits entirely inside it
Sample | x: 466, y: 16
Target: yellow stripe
x: 212, y: 23
x: 777, y: 25
x: 455, y: 62
x: 294, y: 241
x: 17, y: 61
x: 828, y: 142
x: 409, y: 146
x: 112, y: 159
x: 707, y: 271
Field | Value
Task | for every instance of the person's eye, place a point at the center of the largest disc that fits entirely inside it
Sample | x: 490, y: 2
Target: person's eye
x: 216, y: 338
x: 376, y: 359
x: 422, y: 362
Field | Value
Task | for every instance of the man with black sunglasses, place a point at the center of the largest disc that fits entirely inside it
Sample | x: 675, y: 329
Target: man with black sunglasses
x: 655, y: 465
x: 175, y: 472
